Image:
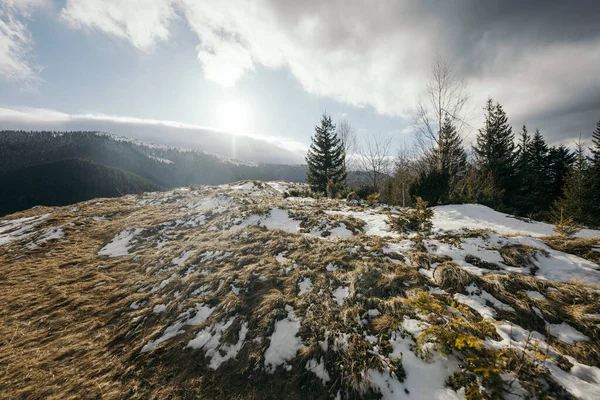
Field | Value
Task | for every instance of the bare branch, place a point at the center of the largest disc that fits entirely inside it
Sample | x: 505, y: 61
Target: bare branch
x: 347, y: 134
x: 445, y: 94
x: 375, y: 160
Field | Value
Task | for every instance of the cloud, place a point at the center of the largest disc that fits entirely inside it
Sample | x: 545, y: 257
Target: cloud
x: 377, y: 55
x: 143, y: 23
x: 538, y: 58
x: 254, y: 148
x: 16, y: 61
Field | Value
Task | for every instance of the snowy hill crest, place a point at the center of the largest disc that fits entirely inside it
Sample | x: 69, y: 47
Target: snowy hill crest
x: 239, y: 291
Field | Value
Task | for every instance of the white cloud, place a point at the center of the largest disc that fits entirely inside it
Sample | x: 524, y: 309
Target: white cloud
x: 256, y: 148
x: 15, y: 41
x: 143, y: 23
x: 362, y: 53
x: 23, y: 5
x: 236, y: 35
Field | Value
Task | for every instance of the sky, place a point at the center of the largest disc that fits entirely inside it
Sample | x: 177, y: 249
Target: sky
x: 250, y: 79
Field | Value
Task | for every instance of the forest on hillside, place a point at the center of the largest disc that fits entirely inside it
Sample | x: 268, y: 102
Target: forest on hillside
x: 517, y: 173
x: 144, y: 166
x: 66, y: 181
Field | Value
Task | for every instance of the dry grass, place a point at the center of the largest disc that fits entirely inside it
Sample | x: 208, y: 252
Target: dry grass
x: 452, y: 278
x: 588, y: 248
x: 62, y: 337
x: 57, y: 328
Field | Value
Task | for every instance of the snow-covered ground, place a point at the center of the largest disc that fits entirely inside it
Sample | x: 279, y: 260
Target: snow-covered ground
x: 205, y: 253
x: 458, y: 217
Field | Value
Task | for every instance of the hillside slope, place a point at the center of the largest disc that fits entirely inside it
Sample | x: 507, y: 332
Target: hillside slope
x: 237, y: 291
x: 66, y: 182
x: 165, y: 167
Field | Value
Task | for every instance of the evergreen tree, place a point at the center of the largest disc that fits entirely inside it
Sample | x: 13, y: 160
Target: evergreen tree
x: 538, y: 180
x: 494, y: 150
x: 453, y: 158
x: 522, y: 156
x: 522, y: 166
x: 596, y: 144
x: 432, y: 185
x: 561, y: 160
x: 595, y: 177
x: 446, y: 166
x: 575, y: 202
x: 326, y: 157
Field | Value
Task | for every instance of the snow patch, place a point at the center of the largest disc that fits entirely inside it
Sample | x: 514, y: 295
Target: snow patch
x: 16, y: 229
x: 284, y: 343
x: 566, y: 333
x: 340, y: 294
x: 120, y: 244
x: 304, y: 286
x: 318, y: 368
x: 182, y: 258
x: 458, y: 217
x: 376, y: 224
x: 159, y: 308
x: 209, y: 339
x: 532, y: 294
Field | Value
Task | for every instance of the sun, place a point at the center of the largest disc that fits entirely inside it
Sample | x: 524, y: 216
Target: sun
x: 234, y: 116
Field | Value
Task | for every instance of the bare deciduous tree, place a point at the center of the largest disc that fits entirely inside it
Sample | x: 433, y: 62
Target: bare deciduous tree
x: 445, y: 94
x: 405, y: 172
x: 374, y: 160
x: 347, y: 134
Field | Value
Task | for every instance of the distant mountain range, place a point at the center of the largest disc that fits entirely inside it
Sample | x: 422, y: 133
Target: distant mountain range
x: 59, y: 168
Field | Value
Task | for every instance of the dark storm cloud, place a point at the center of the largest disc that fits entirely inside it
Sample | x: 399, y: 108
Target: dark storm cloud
x: 539, y: 58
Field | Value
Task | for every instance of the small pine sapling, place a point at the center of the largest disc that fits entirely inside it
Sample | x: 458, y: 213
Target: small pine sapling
x: 563, y: 225
x: 417, y: 219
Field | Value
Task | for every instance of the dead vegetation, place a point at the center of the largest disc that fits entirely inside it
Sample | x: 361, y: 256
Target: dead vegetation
x: 74, y: 323
x: 587, y: 248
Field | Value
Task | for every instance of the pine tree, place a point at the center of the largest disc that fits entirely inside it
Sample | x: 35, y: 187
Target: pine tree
x: 595, y: 177
x: 561, y: 160
x: 596, y: 143
x: 453, y: 156
x: 538, y: 180
x: 326, y: 157
x: 494, y: 150
x: 446, y: 167
x: 433, y: 185
x: 454, y: 159
x: 564, y: 226
x: 575, y: 201
x: 522, y: 156
x: 522, y: 166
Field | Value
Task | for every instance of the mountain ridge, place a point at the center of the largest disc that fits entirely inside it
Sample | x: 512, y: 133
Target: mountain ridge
x: 165, y: 167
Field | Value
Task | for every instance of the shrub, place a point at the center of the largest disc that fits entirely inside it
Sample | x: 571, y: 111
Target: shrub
x: 334, y: 189
x: 417, y: 219
x: 373, y: 198
x: 482, y: 367
x: 353, y: 198
x: 363, y: 191
x: 299, y: 193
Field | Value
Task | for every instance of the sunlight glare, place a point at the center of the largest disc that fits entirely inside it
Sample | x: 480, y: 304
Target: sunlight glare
x: 234, y: 116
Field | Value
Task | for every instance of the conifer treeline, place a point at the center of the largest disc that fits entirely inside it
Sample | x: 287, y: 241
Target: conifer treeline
x: 522, y: 176
x: 529, y: 178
